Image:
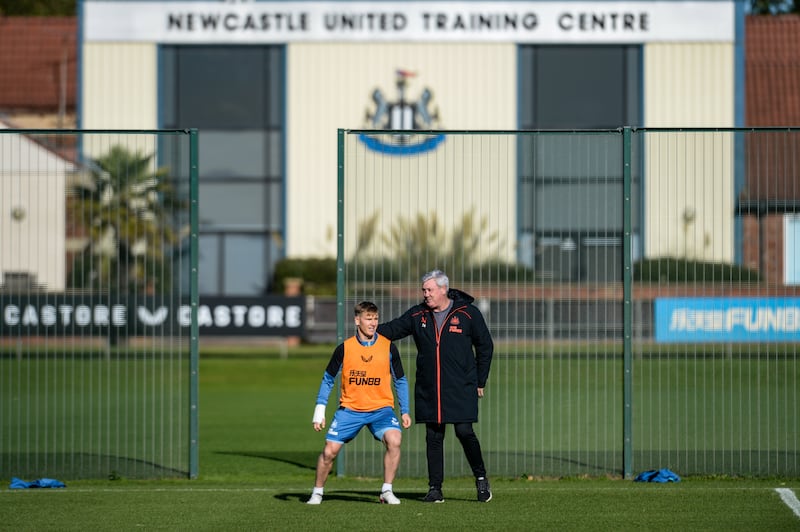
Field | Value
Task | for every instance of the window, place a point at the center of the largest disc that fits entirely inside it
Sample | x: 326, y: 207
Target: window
x: 235, y: 96
x: 791, y: 234
x: 571, y: 183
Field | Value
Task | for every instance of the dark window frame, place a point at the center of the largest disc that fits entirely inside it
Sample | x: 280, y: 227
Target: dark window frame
x: 221, y: 110
x: 628, y: 104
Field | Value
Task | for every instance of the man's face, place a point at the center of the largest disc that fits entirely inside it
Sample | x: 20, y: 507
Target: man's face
x: 435, y: 296
x: 367, y: 323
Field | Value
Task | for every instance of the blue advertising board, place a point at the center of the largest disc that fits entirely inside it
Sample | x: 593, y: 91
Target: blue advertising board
x: 728, y: 319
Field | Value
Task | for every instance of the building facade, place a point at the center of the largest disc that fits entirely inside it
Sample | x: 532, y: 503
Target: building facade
x: 269, y: 83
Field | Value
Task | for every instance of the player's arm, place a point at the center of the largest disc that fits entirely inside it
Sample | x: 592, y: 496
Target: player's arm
x: 325, y: 387
x: 400, y: 385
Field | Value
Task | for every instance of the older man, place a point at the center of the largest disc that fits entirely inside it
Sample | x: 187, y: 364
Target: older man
x: 454, y: 353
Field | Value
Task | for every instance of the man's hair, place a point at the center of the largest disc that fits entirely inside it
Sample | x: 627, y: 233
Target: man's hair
x: 365, y: 306
x: 439, y: 276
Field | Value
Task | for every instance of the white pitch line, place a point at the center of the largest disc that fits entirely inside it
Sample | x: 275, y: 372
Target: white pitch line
x: 795, y: 504
x: 790, y: 499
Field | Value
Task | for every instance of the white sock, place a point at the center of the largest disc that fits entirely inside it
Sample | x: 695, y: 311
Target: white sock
x: 317, y: 490
x: 386, y: 487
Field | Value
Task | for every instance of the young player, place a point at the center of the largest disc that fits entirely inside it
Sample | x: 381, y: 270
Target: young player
x: 369, y: 364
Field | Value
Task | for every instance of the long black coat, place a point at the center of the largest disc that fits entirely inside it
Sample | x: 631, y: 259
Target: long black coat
x: 449, y: 370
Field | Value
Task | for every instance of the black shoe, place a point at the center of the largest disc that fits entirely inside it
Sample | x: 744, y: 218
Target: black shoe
x: 484, y: 491
x: 434, y: 495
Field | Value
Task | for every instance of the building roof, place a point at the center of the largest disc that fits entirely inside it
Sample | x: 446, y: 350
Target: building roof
x: 772, y: 99
x: 33, y: 52
x: 772, y: 70
x: 30, y: 154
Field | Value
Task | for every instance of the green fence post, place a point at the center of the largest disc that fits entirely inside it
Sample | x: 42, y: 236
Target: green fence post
x: 341, y: 459
x: 194, y: 355
x: 627, y: 314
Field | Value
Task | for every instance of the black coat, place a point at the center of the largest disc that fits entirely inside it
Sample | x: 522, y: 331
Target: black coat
x: 449, y: 371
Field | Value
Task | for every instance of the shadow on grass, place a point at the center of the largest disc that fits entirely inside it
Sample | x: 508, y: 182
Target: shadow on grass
x: 368, y: 497
x: 301, y: 460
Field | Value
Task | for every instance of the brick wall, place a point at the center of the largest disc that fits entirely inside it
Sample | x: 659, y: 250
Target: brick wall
x: 32, y: 51
x: 763, y: 246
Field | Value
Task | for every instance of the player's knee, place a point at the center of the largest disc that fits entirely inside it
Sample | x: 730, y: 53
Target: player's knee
x: 330, y: 452
x: 392, y: 438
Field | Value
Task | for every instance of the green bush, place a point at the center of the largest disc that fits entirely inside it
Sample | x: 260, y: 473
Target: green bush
x: 319, y: 275
x: 689, y: 271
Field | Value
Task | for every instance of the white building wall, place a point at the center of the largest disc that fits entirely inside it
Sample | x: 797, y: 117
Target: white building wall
x: 465, y: 189
x: 330, y: 86
x: 119, y: 86
x: 32, y: 212
x: 688, y: 203
x: 689, y: 85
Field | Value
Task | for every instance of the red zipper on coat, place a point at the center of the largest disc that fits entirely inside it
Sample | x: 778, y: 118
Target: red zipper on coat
x: 439, y: 362
x: 438, y: 372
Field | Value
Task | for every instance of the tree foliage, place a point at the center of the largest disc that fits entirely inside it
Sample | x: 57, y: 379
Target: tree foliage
x: 423, y: 239
x: 127, y: 210
x: 773, y: 7
x: 38, y: 8
x: 418, y: 243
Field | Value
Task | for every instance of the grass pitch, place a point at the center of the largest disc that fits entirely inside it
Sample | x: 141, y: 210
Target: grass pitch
x: 257, y: 458
x: 277, y: 503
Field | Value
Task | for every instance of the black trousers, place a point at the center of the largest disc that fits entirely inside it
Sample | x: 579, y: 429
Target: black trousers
x: 434, y: 447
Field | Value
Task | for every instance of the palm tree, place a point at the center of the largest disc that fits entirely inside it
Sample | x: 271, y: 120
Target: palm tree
x: 127, y: 210
x: 422, y: 240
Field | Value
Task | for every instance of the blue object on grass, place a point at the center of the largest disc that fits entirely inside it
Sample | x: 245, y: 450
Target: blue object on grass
x: 18, y: 483
x: 657, y: 475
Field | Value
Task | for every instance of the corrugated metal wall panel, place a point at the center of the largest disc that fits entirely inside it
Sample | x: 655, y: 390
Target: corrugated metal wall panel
x: 120, y: 86
x: 689, y: 199
x: 689, y: 85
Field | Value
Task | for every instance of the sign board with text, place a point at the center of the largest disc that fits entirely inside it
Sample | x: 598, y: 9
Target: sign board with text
x: 521, y: 22
x: 62, y: 315
x: 728, y: 319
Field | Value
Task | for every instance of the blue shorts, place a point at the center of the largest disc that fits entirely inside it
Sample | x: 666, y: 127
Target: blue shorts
x: 347, y: 423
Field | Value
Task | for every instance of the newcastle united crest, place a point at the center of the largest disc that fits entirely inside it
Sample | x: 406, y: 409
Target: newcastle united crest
x: 402, y: 115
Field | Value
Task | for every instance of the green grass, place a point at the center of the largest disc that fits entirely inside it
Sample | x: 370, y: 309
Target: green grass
x: 257, y: 457
x: 275, y: 502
